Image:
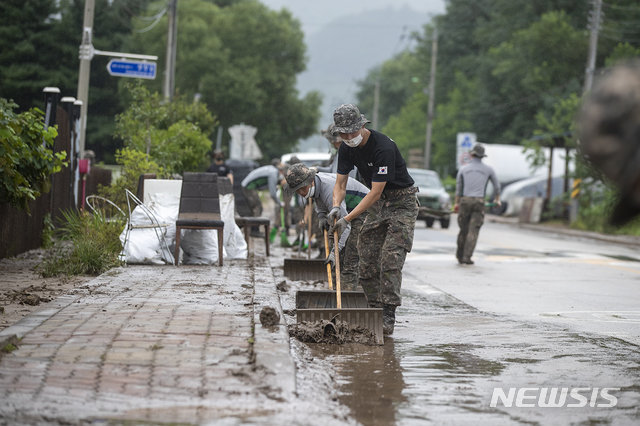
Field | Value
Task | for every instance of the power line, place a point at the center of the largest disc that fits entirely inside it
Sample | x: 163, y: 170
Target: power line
x: 153, y: 24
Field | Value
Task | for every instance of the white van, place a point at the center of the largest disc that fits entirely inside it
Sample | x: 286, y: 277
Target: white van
x: 308, y: 158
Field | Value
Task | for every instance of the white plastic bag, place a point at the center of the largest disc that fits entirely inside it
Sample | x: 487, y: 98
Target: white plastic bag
x: 235, y: 247
x: 199, y: 246
x: 143, y: 245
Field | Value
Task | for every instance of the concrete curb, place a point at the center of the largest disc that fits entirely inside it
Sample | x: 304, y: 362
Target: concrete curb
x: 271, y: 346
x: 616, y: 239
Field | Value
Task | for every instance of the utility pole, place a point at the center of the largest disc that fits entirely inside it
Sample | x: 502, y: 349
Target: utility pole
x: 432, y: 96
x: 86, y: 53
x: 594, y: 24
x: 595, y: 18
x: 376, y: 103
x: 172, y: 38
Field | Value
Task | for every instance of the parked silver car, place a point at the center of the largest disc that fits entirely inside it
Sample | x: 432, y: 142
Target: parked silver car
x: 435, y: 202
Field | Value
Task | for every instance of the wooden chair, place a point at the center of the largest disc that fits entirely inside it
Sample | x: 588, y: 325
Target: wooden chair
x: 246, y: 223
x: 199, y: 208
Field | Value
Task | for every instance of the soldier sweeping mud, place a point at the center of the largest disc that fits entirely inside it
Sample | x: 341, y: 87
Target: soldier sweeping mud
x: 319, y: 186
x: 391, y: 205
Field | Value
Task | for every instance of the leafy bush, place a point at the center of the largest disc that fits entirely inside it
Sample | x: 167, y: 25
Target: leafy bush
x: 174, y: 134
x: 134, y: 163
x: 88, y: 245
x: 26, y: 157
x: 595, y: 210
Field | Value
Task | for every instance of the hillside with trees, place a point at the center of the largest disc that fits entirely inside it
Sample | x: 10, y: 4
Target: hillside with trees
x: 504, y: 68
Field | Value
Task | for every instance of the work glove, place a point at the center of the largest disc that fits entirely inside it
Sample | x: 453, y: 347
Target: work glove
x: 340, y: 226
x: 323, y: 221
x: 331, y: 259
x: 334, y: 214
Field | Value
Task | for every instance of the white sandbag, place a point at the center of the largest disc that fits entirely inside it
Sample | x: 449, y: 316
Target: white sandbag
x: 199, y: 246
x: 165, y: 206
x: 143, y: 245
x: 235, y: 246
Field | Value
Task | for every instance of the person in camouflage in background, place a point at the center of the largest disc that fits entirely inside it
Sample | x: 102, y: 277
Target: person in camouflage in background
x: 391, y: 205
x: 319, y: 187
x: 471, y: 185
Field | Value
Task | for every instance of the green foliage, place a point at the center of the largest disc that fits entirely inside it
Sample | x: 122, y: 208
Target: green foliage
x: 26, y: 157
x: 89, y: 245
x: 30, y: 43
x: 242, y: 59
x: 170, y: 133
x: 621, y: 53
x: 47, y: 231
x: 554, y: 128
x: 39, y: 42
x: 408, y: 127
x: 537, y: 65
x: 134, y: 163
x: 399, y: 79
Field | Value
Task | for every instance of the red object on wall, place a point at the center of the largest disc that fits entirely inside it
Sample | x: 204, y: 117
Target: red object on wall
x: 84, y: 166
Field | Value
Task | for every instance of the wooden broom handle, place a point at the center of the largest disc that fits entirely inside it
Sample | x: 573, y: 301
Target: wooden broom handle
x: 326, y: 251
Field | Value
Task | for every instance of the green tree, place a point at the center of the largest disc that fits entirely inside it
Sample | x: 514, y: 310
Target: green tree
x: 399, y: 79
x: 242, y: 60
x: 535, y: 67
x: 171, y: 134
x: 556, y: 127
x: 407, y: 128
x: 32, y: 44
x: 39, y: 42
x: 26, y: 156
x: 622, y: 52
x: 134, y: 163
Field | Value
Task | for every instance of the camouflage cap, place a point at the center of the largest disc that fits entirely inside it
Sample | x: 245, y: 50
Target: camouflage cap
x: 331, y: 134
x: 609, y: 134
x: 347, y: 119
x: 299, y: 175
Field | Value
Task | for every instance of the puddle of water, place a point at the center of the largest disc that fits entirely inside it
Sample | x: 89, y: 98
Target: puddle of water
x: 446, y: 358
x: 370, y: 379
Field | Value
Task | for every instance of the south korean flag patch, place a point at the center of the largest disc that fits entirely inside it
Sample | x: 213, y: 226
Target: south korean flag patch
x: 382, y: 170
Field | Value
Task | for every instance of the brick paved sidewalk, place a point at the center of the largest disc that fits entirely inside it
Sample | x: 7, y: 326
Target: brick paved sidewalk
x: 154, y: 344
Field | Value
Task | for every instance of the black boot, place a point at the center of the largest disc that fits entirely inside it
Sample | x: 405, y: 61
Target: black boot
x: 388, y: 319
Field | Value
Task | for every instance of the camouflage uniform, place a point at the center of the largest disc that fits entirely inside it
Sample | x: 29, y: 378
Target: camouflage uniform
x: 300, y: 176
x: 385, y: 239
x: 470, y: 219
x: 387, y: 232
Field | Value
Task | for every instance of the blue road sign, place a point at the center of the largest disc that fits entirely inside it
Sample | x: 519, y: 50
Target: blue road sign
x: 133, y: 69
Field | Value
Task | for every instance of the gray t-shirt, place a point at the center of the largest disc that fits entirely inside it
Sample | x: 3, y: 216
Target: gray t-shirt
x: 472, y: 179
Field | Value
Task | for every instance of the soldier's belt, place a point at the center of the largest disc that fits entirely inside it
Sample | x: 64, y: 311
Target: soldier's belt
x: 391, y: 194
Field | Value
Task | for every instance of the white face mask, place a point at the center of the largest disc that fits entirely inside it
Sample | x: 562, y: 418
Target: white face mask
x: 310, y: 192
x: 353, y: 142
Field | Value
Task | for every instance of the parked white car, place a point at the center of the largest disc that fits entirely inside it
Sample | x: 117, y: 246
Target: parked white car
x: 308, y: 158
x: 513, y: 195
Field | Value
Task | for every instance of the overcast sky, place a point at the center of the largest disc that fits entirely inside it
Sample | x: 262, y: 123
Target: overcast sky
x: 378, y: 41
x: 313, y: 14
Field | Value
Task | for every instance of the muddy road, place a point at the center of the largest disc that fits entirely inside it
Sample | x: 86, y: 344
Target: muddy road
x: 544, y: 329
